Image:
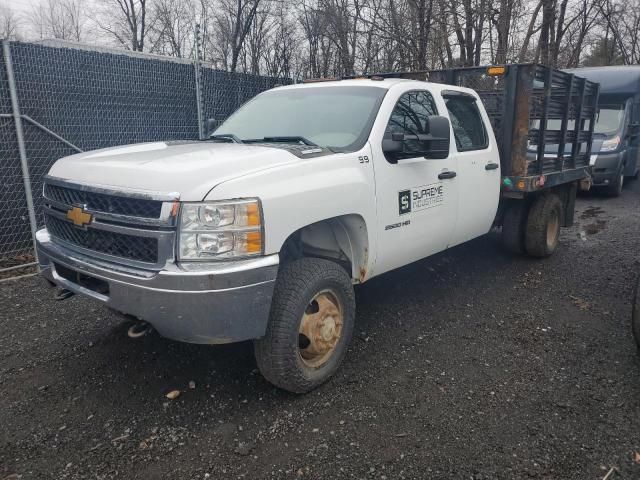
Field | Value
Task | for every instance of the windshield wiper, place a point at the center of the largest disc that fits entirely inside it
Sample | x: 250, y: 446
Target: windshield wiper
x: 285, y: 139
x: 227, y: 137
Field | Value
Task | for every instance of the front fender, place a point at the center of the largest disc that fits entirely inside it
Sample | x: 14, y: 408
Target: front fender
x: 296, y: 195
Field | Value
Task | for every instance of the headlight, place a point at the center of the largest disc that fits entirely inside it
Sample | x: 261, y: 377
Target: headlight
x: 610, y: 144
x: 220, y: 230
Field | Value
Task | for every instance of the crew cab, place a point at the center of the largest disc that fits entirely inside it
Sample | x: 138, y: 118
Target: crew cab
x: 260, y: 232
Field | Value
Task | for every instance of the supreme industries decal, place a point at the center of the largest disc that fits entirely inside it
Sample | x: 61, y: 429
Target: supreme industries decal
x: 420, y: 198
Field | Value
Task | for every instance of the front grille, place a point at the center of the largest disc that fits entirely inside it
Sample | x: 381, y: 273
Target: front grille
x: 102, y: 202
x: 142, y: 249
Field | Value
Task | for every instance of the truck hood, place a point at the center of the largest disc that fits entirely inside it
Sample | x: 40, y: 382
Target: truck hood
x: 191, y: 169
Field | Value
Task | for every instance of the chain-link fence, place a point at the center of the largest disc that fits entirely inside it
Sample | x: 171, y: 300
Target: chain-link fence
x: 56, y: 100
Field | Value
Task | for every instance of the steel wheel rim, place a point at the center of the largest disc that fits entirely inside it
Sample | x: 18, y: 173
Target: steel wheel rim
x: 320, y: 329
x: 553, y: 228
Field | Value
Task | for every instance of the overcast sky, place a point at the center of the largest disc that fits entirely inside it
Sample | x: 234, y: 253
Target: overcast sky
x: 22, y: 8
x: 19, y: 5
x: 25, y: 8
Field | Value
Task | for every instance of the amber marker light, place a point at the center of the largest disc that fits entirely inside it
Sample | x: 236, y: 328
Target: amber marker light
x: 253, y: 215
x: 496, y: 71
x: 254, y: 242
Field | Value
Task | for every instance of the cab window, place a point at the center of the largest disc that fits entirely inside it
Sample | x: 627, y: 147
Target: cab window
x: 468, y: 128
x: 410, y: 117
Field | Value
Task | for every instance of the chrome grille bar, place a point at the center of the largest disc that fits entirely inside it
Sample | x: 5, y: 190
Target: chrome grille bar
x: 105, y: 203
x: 122, y: 229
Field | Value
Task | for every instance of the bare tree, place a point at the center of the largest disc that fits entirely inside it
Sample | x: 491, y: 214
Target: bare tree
x: 231, y: 22
x: 400, y: 32
x: 172, y: 32
x: 558, y: 18
x: 532, y: 29
x: 62, y: 19
x: 623, y: 21
x: 126, y: 22
x: 9, y: 24
x: 257, y: 39
x: 578, y: 32
x: 501, y: 20
x: 319, y: 49
x: 281, y: 50
x: 343, y: 21
x: 468, y: 20
x: 344, y: 37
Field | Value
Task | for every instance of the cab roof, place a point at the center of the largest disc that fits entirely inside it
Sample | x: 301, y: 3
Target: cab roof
x: 377, y: 82
x: 385, y: 83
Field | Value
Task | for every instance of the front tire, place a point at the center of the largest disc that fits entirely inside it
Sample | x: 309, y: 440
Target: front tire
x: 310, y: 325
x: 543, y: 226
x: 615, y: 190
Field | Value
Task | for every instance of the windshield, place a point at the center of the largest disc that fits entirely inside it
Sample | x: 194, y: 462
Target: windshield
x: 338, y: 118
x: 609, y: 119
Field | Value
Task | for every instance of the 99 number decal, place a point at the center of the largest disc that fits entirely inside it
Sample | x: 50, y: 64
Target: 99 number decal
x: 363, y: 159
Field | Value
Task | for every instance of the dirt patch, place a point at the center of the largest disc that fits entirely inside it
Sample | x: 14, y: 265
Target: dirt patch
x: 595, y: 227
x: 592, y: 212
x: 17, y: 265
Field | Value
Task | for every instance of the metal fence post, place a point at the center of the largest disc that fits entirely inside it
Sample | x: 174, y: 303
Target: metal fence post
x: 198, y: 73
x: 15, y: 106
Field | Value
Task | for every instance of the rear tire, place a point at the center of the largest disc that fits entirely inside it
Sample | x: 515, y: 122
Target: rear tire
x: 312, y: 298
x: 543, y: 226
x: 513, y: 227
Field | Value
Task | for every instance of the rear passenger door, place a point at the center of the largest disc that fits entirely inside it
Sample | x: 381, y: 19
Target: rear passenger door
x: 478, y: 166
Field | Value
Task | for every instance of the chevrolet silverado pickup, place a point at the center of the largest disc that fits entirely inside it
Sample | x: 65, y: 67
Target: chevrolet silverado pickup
x: 260, y: 232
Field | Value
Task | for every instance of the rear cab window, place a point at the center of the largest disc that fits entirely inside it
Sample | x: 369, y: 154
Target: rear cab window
x: 469, y: 130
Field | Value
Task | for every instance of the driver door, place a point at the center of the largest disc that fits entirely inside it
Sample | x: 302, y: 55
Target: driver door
x: 416, y: 197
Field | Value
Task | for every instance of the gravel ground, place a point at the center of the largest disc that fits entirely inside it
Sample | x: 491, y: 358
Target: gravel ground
x: 472, y: 364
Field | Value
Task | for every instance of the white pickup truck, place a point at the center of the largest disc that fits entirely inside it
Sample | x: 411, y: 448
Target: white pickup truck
x: 261, y: 231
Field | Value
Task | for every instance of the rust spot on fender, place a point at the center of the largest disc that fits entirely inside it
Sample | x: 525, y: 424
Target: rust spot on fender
x: 363, y: 268
x: 363, y: 274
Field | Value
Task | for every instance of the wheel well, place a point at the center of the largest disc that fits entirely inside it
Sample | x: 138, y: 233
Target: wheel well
x: 342, y: 239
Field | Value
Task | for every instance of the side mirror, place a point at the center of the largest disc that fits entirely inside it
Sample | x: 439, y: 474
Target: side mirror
x: 440, y: 132
x: 210, y: 125
x: 433, y: 145
x: 394, y: 145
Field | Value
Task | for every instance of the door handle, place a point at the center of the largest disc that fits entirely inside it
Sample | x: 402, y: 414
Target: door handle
x: 491, y: 166
x: 447, y: 174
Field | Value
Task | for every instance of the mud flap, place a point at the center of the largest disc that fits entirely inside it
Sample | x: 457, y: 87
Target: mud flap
x: 569, y: 204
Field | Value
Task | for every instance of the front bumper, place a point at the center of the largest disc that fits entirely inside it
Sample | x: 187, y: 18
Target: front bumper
x: 606, y: 168
x: 196, y: 303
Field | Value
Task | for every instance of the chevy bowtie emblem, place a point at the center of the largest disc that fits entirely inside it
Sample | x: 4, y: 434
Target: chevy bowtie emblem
x: 79, y: 217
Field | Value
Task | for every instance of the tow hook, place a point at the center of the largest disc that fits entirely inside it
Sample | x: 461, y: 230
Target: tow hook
x: 63, y: 294
x: 139, y: 329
